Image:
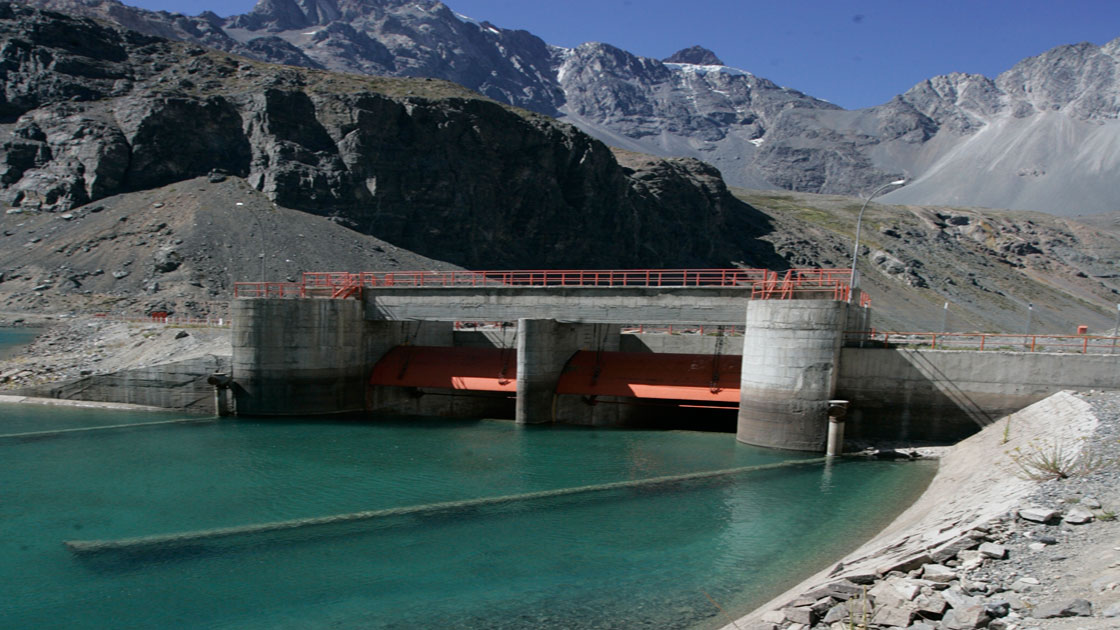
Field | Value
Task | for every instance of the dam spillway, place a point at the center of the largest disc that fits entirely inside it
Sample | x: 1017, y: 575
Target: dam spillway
x: 348, y: 342
x: 334, y: 343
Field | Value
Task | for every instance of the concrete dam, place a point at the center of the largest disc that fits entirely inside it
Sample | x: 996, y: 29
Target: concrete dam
x: 573, y: 347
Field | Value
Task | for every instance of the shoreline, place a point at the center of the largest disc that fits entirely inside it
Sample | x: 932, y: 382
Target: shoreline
x: 975, y: 491
x: 67, y: 402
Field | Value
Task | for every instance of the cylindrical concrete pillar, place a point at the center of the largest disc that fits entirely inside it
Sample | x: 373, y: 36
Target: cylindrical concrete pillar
x: 790, y: 353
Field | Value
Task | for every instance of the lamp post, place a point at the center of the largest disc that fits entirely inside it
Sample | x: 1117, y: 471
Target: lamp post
x: 859, y: 224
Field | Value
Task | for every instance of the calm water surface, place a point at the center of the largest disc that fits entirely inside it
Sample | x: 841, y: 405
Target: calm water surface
x: 13, y: 339
x: 645, y: 557
x: 627, y: 558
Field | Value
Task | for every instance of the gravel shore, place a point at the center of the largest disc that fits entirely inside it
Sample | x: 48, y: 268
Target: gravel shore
x: 990, y: 544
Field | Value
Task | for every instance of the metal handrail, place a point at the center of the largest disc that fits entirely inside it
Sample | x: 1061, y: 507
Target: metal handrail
x: 764, y: 284
x: 1082, y: 344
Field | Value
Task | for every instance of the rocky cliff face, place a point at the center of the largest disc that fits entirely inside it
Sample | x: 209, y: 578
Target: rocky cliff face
x: 1039, y: 136
x: 90, y: 111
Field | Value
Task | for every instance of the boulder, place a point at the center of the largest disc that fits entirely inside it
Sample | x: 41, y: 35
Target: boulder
x: 1038, y: 515
x: 938, y: 573
x: 931, y: 606
x: 950, y: 549
x: 1071, y: 608
x: 800, y: 614
x: 840, y: 589
x: 993, y: 550
x: 967, y: 618
x: 893, y: 616
x: 1077, y: 515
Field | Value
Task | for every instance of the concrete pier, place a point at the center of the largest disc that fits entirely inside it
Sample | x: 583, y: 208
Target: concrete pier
x: 297, y: 357
x: 543, y: 349
x: 791, y: 353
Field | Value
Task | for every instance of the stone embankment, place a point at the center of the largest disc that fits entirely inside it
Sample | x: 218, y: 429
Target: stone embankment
x: 1016, y: 532
x: 99, y: 359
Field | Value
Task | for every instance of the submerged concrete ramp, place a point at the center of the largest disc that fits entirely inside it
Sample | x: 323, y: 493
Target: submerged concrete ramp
x: 695, y: 377
x: 193, y: 537
x: 475, y: 369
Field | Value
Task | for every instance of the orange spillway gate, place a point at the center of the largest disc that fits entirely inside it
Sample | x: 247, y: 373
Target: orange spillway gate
x: 475, y: 369
x: 692, y: 377
x: 696, y: 377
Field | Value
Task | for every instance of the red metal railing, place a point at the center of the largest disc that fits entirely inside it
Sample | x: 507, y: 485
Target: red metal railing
x: 796, y: 282
x: 541, y: 278
x: 1083, y: 344
x: 764, y: 284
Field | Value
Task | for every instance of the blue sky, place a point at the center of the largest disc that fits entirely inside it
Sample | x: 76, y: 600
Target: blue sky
x: 854, y: 53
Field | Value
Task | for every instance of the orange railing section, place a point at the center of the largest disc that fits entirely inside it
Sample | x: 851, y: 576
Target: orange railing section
x: 763, y: 284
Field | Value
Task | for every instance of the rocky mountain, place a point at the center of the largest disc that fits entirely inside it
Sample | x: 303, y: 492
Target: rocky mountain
x: 90, y: 111
x: 696, y: 55
x: 143, y: 174
x: 1040, y: 136
x: 987, y: 265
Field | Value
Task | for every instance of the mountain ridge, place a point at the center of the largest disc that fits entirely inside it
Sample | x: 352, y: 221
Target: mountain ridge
x: 954, y: 136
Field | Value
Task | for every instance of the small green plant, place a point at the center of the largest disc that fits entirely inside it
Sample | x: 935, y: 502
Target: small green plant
x: 1055, y: 460
x: 862, y: 619
x: 1006, y: 431
x: 1107, y: 515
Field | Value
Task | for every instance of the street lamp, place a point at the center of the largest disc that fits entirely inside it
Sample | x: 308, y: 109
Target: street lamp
x: 859, y: 224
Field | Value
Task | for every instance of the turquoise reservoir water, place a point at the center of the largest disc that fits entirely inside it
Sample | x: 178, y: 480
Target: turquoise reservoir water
x: 11, y: 339
x: 646, y: 557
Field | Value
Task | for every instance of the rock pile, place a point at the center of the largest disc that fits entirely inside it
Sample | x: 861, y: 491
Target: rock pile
x: 993, y: 576
x: 991, y: 544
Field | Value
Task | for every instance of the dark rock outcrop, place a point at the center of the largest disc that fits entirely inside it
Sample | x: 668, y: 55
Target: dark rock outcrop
x: 95, y: 111
x: 697, y: 55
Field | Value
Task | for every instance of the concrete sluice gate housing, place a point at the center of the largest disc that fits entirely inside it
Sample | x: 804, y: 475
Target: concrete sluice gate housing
x: 564, y: 357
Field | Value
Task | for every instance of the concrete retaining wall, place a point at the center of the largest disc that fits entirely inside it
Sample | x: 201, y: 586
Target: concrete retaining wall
x: 295, y: 357
x: 179, y: 385
x: 945, y: 395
